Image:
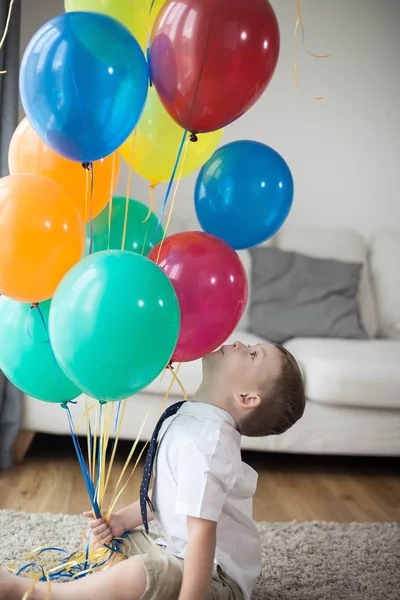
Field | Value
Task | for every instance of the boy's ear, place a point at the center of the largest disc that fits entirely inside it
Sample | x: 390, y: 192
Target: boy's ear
x: 251, y: 400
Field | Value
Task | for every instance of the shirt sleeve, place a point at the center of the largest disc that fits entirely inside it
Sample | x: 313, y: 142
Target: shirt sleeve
x: 205, y: 476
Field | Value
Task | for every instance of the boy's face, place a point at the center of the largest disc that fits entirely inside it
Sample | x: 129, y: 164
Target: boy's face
x: 240, y: 369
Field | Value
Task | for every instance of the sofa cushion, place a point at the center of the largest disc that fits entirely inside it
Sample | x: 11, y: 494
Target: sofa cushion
x: 191, y: 373
x: 350, y: 372
x: 245, y: 257
x: 385, y: 261
x: 294, y: 295
x: 345, y: 245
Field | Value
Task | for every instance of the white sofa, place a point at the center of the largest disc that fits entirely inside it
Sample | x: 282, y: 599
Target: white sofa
x: 353, y: 387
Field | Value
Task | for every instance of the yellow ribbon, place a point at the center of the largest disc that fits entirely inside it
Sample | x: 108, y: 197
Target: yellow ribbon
x: 152, y: 187
x: 300, y: 23
x: 110, y: 205
x: 178, y: 180
x: 128, y: 190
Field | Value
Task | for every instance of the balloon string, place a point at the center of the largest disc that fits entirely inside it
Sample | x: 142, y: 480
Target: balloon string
x: 91, y: 176
x: 109, y: 414
x: 300, y: 23
x: 89, y: 437
x: 117, y: 431
x: 94, y: 446
x: 110, y: 205
x: 148, y: 43
x: 44, y: 576
x: 88, y: 166
x: 152, y: 187
x: 100, y: 454
x: 170, y: 183
x: 6, y: 28
x: 35, y: 306
x: 174, y: 373
x: 128, y: 190
x: 81, y: 460
x: 178, y: 180
x: 117, y: 493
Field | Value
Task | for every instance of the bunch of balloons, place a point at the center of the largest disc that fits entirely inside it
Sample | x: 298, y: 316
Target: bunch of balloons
x: 92, y: 291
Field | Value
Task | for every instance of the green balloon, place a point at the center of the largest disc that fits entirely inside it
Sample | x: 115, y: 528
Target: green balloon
x: 140, y: 236
x: 114, y: 324
x: 26, y: 356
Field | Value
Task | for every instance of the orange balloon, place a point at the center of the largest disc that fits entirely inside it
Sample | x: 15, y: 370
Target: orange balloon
x: 29, y: 154
x: 41, y: 236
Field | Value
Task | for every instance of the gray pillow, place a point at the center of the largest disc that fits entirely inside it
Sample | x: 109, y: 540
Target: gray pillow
x: 293, y: 295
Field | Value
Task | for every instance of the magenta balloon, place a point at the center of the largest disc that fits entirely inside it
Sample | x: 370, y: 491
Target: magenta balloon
x: 211, y: 285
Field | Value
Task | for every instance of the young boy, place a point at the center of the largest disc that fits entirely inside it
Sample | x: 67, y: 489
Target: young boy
x: 203, y: 492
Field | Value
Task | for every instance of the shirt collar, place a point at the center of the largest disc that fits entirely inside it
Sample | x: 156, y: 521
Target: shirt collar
x: 204, y: 410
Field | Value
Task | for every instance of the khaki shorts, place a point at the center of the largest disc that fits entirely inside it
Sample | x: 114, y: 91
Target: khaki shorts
x: 164, y: 571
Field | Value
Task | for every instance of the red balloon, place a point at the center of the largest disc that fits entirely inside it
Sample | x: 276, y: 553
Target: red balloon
x: 211, y: 60
x: 211, y: 285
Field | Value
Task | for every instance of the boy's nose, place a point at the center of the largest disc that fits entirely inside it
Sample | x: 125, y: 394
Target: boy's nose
x: 238, y: 345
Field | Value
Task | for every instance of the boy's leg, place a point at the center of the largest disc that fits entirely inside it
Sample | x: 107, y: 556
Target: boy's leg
x: 124, y: 581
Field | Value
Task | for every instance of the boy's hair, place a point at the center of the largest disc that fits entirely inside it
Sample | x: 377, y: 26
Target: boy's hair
x: 282, y: 405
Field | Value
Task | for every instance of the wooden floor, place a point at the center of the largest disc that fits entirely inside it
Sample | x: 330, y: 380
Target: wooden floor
x: 290, y: 487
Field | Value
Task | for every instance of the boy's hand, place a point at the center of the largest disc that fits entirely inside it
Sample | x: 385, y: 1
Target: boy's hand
x: 105, y: 532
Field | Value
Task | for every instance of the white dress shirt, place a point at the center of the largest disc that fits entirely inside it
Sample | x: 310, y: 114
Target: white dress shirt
x: 200, y: 473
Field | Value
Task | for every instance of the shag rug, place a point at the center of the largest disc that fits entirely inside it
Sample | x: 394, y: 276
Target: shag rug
x: 301, y: 561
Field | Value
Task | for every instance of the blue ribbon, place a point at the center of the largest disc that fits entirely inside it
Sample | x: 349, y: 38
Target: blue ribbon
x: 170, y: 184
x: 82, y: 463
x: 28, y: 328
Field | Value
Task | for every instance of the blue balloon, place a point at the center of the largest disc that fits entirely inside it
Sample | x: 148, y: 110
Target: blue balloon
x: 244, y: 194
x: 83, y: 82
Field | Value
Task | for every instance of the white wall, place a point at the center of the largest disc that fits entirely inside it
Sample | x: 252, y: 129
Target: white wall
x: 344, y: 151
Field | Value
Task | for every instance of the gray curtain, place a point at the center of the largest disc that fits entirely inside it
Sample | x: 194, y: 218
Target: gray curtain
x: 10, y: 418
x: 10, y: 397
x: 9, y: 61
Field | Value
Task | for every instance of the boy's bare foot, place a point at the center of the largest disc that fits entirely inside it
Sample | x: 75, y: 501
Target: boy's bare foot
x: 11, y: 587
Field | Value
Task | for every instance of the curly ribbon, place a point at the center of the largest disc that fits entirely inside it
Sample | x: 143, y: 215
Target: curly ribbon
x: 84, y: 562
x: 6, y: 28
x: 300, y: 23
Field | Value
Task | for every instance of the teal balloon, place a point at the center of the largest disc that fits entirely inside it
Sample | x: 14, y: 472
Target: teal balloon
x: 26, y: 356
x: 114, y: 324
x: 140, y: 236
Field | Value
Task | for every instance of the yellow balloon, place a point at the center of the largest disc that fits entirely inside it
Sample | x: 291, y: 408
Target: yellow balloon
x: 151, y: 151
x: 134, y: 14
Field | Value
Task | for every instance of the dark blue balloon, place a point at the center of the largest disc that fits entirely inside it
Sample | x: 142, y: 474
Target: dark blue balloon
x: 244, y: 193
x: 83, y: 83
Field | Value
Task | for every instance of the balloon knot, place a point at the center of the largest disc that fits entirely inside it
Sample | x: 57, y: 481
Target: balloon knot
x: 64, y: 405
x: 86, y: 165
x: 35, y: 305
x: 171, y: 365
x: 102, y: 402
x: 193, y: 137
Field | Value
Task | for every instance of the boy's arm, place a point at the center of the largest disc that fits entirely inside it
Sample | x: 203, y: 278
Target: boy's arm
x: 199, y: 558
x: 131, y: 515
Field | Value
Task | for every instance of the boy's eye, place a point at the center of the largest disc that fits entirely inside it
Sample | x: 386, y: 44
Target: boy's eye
x: 253, y: 355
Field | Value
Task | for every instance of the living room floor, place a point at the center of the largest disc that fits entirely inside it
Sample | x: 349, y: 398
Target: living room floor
x: 301, y: 488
